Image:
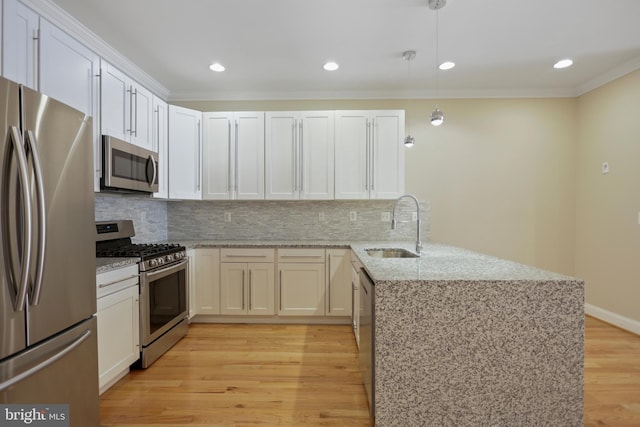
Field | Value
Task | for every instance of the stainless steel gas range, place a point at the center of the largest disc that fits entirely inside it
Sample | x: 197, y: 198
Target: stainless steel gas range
x: 163, y: 286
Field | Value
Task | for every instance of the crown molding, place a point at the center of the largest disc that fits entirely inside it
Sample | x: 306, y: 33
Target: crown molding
x: 57, y: 16
x: 361, y: 95
x: 609, y: 76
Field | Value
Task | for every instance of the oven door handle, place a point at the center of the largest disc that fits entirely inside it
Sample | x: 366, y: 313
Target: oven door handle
x: 158, y: 274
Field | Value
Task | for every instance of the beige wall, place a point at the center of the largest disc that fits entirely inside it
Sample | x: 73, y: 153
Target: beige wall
x: 607, y: 230
x: 499, y: 174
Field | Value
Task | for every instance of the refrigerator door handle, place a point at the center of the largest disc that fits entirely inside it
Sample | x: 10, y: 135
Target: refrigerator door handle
x: 30, y: 142
x: 23, y: 282
x: 42, y: 365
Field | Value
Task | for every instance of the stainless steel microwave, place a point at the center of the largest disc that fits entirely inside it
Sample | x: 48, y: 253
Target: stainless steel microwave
x: 128, y: 167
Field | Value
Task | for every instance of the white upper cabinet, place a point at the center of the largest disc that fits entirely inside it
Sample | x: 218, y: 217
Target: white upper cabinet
x: 68, y: 70
x: 127, y: 108
x: 20, y: 43
x: 299, y: 151
x: 185, y: 145
x: 369, y: 157
x: 41, y: 56
x: 115, y: 102
x: 233, y: 155
x: 161, y: 145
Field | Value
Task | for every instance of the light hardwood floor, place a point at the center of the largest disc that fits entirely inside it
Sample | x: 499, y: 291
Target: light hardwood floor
x: 297, y: 375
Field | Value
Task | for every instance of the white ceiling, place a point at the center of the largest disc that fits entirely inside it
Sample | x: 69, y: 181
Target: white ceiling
x: 275, y: 49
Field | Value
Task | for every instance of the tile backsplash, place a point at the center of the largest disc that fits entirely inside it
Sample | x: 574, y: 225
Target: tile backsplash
x: 291, y: 220
x: 161, y: 220
x: 149, y: 215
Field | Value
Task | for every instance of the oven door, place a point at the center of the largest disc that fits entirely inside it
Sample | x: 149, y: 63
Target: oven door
x: 163, y: 300
x: 127, y: 167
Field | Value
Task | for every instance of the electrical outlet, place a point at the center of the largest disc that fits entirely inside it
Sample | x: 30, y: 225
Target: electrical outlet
x: 605, y: 168
x: 353, y: 216
x: 414, y: 216
x: 227, y: 217
x: 321, y: 216
x: 385, y: 216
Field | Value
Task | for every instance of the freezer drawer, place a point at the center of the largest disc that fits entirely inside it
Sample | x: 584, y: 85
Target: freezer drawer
x: 71, y: 379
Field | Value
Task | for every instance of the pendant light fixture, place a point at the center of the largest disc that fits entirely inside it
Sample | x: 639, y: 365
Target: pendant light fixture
x: 408, y: 56
x: 437, y: 116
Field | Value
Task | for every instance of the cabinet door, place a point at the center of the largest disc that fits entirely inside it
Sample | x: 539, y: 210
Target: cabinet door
x: 161, y: 145
x: 114, y: 102
x: 218, y: 155
x: 351, y: 154
x: 281, y: 155
x: 118, y: 334
x: 316, y: 147
x: 249, y: 173
x: 387, y: 159
x: 338, y: 293
x: 141, y: 116
x: 232, y: 288
x: 68, y: 69
x: 19, y: 44
x: 184, y: 153
x: 207, y: 286
x: 261, y: 292
x: 301, y: 289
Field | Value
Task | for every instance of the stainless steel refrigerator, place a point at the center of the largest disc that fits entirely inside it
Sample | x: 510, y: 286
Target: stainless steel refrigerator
x: 48, y: 345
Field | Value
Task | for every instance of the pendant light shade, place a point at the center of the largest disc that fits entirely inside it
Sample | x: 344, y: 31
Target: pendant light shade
x: 437, y: 117
x: 409, y: 140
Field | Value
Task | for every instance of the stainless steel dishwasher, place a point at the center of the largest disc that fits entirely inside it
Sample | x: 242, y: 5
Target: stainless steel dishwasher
x: 367, y: 337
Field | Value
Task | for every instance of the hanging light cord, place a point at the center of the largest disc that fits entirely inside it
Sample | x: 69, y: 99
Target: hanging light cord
x: 437, y: 45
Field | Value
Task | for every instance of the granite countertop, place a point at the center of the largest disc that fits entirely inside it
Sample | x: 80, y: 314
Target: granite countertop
x: 105, y: 264
x: 438, y: 262
x: 441, y: 262
x: 329, y: 244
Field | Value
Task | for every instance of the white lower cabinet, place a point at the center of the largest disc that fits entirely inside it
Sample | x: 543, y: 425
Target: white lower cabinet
x: 118, y: 323
x: 338, y: 292
x: 247, y: 282
x: 301, y: 282
x: 206, y: 275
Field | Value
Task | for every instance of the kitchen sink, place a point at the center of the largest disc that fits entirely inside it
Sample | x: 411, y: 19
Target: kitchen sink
x: 391, y: 253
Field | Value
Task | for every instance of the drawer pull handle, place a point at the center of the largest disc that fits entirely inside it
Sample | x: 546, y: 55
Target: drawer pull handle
x: 104, y: 285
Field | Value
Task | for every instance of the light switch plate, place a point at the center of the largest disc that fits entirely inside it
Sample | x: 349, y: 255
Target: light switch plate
x: 227, y: 217
x: 605, y: 168
x: 385, y: 216
x: 353, y: 216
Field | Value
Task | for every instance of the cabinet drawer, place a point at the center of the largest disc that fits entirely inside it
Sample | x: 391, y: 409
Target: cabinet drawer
x: 117, y: 279
x: 247, y: 255
x: 301, y: 255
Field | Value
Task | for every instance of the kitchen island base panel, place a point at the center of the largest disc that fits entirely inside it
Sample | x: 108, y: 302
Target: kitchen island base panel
x: 468, y: 353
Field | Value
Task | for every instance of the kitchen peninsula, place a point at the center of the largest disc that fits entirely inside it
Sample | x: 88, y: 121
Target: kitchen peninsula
x: 465, y: 339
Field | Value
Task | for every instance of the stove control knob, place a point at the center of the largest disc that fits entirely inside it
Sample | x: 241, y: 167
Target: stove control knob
x: 170, y: 258
x: 153, y: 263
x: 160, y: 261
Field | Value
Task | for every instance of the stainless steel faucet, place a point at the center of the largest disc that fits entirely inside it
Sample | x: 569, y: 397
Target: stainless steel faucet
x: 418, y: 222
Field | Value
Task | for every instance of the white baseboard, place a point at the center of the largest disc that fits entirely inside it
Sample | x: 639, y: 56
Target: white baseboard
x: 613, y: 318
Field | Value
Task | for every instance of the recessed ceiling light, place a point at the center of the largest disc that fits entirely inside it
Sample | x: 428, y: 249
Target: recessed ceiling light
x: 447, y: 65
x: 563, y: 63
x: 218, y: 68
x: 330, y: 66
